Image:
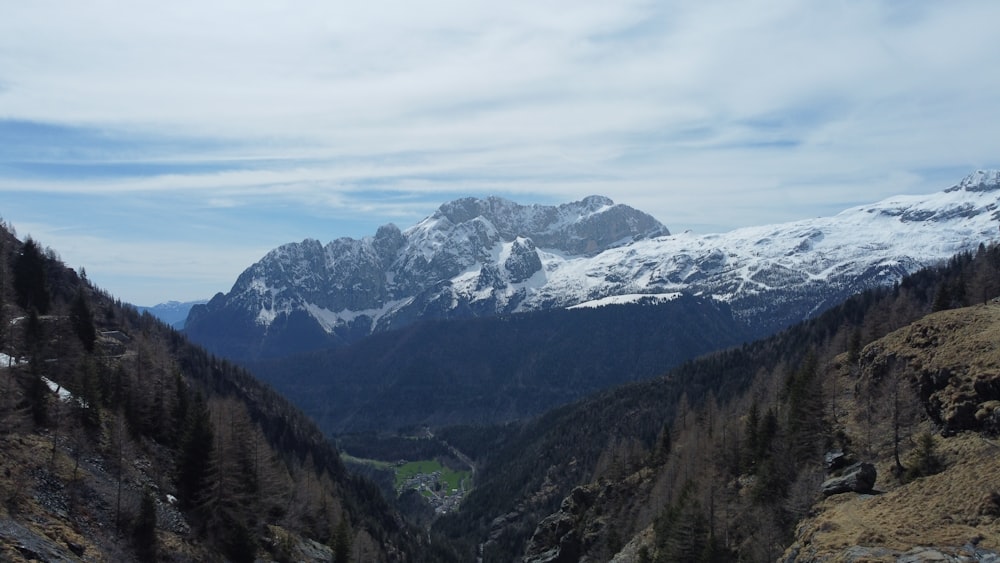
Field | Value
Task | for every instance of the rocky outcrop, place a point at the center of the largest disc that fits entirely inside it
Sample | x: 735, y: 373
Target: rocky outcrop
x: 856, y: 478
x: 920, y: 554
x: 557, y: 538
x: 581, y: 530
x: 949, y: 359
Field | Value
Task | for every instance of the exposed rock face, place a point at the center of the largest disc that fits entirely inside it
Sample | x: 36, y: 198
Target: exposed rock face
x: 837, y: 460
x: 482, y: 257
x: 557, y: 539
x: 920, y: 554
x: 471, y: 257
x: 951, y: 360
x: 579, y: 531
x: 857, y: 478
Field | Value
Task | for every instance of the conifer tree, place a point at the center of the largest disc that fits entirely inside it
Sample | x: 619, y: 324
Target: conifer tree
x: 30, y: 283
x: 194, y: 454
x: 83, y: 321
x: 144, y: 532
x: 342, y: 542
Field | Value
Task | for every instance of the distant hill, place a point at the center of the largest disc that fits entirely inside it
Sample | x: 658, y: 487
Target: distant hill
x: 173, y: 313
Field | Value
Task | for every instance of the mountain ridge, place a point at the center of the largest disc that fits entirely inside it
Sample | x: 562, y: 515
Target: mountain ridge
x: 483, y: 257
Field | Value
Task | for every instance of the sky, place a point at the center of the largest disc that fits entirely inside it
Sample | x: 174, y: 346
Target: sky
x: 167, y: 146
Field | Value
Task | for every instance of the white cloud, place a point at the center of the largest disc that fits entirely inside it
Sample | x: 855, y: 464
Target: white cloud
x: 708, y: 115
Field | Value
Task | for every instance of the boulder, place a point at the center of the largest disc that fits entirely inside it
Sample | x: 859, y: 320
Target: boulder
x: 837, y: 460
x: 858, y: 478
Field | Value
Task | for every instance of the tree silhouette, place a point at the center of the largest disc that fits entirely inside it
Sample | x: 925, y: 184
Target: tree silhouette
x: 30, y: 279
x: 83, y: 321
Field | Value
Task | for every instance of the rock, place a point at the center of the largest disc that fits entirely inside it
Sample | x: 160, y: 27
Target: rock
x: 76, y: 548
x: 924, y: 555
x: 990, y: 505
x: 858, y: 478
x: 837, y: 460
x: 558, y: 538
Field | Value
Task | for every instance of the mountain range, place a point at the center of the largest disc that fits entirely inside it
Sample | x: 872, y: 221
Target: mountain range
x: 488, y: 257
x: 174, y: 313
x: 123, y: 441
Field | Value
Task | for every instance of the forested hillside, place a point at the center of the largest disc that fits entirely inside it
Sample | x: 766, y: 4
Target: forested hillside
x: 498, y: 369
x: 120, y: 440
x: 721, y: 458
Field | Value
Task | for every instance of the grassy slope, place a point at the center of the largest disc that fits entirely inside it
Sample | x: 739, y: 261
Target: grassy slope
x: 947, y: 509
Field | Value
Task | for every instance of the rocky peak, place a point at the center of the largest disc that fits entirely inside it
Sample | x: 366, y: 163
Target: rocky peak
x: 978, y: 181
x: 591, y: 225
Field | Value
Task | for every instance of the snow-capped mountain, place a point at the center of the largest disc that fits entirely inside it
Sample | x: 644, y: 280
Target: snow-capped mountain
x: 476, y: 257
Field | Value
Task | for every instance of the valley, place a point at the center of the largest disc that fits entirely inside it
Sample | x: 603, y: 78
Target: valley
x: 619, y: 428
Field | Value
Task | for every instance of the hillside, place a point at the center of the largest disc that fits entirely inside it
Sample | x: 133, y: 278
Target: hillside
x: 499, y: 369
x: 120, y: 440
x: 721, y: 458
x: 952, y: 361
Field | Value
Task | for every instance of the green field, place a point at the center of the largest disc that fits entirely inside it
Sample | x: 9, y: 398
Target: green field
x: 450, y: 479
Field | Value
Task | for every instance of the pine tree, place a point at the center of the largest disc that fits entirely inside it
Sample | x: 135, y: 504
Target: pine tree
x: 144, y: 531
x: 194, y: 455
x: 83, y: 322
x: 804, y: 395
x: 30, y: 280
x: 342, y: 542
x: 926, y: 461
x: 751, y: 452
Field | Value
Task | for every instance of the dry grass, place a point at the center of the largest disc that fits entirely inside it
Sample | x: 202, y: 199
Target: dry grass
x: 948, y: 509
x: 23, y: 458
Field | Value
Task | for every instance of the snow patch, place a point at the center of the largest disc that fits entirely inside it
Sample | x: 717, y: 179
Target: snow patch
x: 644, y: 298
x: 63, y: 394
x: 330, y: 320
x: 9, y: 361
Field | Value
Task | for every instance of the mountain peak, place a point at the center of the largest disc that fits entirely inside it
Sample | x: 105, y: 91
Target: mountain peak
x: 488, y: 256
x: 979, y: 181
x: 591, y: 225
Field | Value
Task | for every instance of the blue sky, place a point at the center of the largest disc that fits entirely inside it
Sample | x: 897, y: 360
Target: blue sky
x: 166, y: 146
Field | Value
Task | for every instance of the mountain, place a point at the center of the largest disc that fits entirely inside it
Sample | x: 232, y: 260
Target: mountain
x: 496, y: 369
x: 174, y: 313
x: 303, y: 295
x: 476, y: 257
x: 743, y: 455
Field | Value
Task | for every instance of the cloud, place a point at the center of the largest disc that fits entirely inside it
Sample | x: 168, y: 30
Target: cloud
x: 326, y: 119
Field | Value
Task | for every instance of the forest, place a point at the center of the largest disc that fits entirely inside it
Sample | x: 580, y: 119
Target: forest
x: 721, y: 457
x: 141, y: 446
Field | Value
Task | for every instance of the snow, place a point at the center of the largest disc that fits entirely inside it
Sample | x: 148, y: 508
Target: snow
x: 898, y: 234
x: 627, y: 299
x: 63, y: 394
x: 7, y: 361
x: 330, y: 320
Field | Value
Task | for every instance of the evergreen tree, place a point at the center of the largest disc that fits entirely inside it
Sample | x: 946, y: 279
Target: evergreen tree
x: 38, y: 399
x: 144, y: 532
x: 805, y: 423
x: 195, y: 454
x: 342, y: 542
x: 30, y: 280
x: 752, y: 450
x: 926, y: 461
x: 83, y: 321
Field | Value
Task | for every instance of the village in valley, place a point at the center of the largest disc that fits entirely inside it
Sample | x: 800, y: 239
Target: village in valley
x: 441, y: 486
